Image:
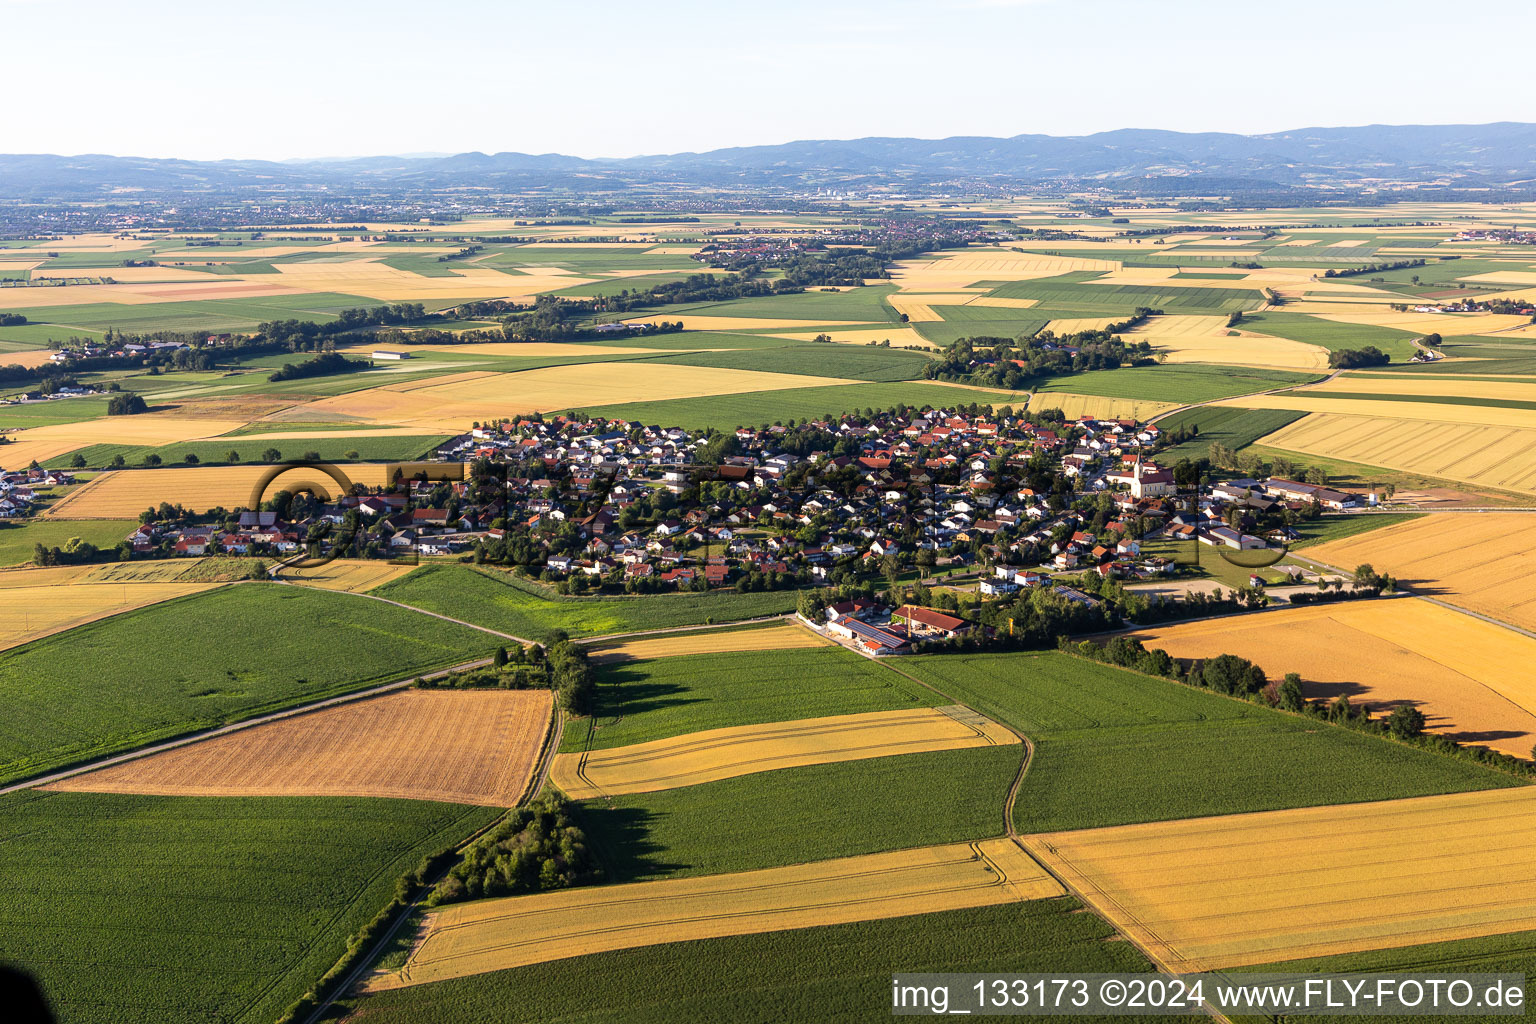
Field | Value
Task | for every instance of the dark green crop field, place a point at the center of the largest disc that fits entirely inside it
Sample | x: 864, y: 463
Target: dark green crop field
x: 499, y: 601
x: 1113, y: 747
x: 185, y: 910
x: 797, y: 815
x: 649, y: 700
x: 834, y: 975
x: 202, y: 661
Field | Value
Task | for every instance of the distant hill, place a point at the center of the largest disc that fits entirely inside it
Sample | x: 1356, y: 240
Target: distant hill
x: 1466, y: 155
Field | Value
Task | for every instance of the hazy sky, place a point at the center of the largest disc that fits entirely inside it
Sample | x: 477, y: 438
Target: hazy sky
x: 303, y: 78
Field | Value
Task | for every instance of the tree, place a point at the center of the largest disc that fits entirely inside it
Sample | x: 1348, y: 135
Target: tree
x: 118, y: 462
x: 271, y: 455
x: 1291, y: 696
x: 501, y: 657
x: 152, y: 460
x: 191, y: 459
x: 77, y: 461
x: 1405, y: 722
x: 126, y: 403
x: 232, y: 456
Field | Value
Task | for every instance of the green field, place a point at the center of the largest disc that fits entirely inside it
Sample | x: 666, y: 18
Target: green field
x: 1327, y: 528
x: 330, y: 449
x: 726, y: 412
x: 1183, y: 384
x: 649, y: 700
x: 206, y: 314
x: 1114, y: 747
x: 855, y: 362
x: 19, y: 537
x: 184, y: 910
x: 45, y: 414
x: 797, y: 815
x: 840, y: 973
x: 1223, y: 424
x: 862, y: 305
x: 1332, y: 335
x: 499, y: 601
x: 201, y: 661
x: 1513, y: 953
x: 1110, y: 299
x: 947, y: 333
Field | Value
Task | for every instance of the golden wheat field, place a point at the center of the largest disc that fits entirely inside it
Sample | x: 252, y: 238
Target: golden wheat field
x: 1211, y: 893
x: 1479, y: 561
x: 1493, y: 456
x: 1469, y: 677
x: 49, y: 442
x: 965, y: 269
x: 717, y: 754
x: 121, y: 494
x: 671, y: 645
x: 349, y: 574
x: 457, y: 746
x: 1098, y: 407
x: 455, y: 404
x: 1189, y: 338
x: 898, y: 335
x: 30, y: 612
x: 1448, y: 386
x: 495, y: 934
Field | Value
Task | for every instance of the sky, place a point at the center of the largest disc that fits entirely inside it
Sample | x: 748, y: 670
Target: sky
x: 280, y: 79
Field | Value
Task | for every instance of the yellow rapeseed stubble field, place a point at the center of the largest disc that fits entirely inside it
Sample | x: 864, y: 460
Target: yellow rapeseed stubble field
x: 1479, y: 561
x: 671, y: 645
x: 1211, y: 893
x: 1477, y: 453
x: 1469, y: 677
x: 1208, y: 339
x: 742, y: 750
x: 459, y: 746
x: 493, y: 935
x: 125, y: 493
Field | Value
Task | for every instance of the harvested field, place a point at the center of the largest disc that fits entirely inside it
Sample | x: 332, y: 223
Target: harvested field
x: 455, y: 405
x: 716, y: 754
x: 771, y: 638
x: 1432, y: 323
x: 1212, y: 893
x: 1094, y: 405
x: 1489, y: 455
x: 1072, y: 326
x: 455, y: 746
x: 30, y: 612
x: 1469, y: 677
x: 1512, y: 389
x: 967, y: 268
x: 1481, y: 562
x: 492, y: 935
x: 125, y: 493
x: 1407, y: 408
x: 349, y: 574
x: 1206, y: 339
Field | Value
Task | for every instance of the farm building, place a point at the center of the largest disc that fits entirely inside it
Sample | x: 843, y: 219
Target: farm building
x: 388, y: 354
x: 927, y: 622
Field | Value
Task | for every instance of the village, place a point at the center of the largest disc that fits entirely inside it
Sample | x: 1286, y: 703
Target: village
x: 995, y: 505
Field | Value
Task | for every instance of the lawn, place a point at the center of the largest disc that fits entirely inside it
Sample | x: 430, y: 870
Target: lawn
x: 19, y: 537
x: 651, y: 700
x: 176, y: 910
x: 1183, y: 384
x: 726, y: 412
x: 841, y: 973
x: 1113, y: 747
x: 492, y: 598
x: 796, y: 815
x: 1210, y: 564
x: 201, y: 661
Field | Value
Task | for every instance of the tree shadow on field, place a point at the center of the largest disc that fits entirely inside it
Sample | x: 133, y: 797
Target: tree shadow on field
x: 622, y: 693
x: 621, y: 838
x: 1331, y: 690
x: 1483, y: 735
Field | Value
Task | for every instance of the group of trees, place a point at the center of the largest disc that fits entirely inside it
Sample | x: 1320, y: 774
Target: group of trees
x: 514, y: 668
x: 1354, y: 358
x: 535, y: 848
x: 1005, y: 363
x: 126, y: 403
x: 1374, y: 268
x: 323, y: 365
